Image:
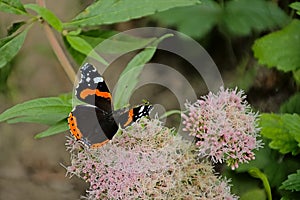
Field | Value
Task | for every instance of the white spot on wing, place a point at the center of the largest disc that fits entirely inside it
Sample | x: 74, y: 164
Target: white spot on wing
x: 141, y: 109
x: 98, y: 79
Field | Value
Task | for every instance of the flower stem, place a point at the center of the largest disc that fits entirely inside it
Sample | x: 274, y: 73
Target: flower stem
x: 58, y: 49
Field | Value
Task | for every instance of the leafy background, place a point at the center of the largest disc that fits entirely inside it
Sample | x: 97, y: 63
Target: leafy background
x: 258, y: 51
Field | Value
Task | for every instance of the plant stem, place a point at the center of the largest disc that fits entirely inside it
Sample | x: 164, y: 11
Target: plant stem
x: 61, y: 56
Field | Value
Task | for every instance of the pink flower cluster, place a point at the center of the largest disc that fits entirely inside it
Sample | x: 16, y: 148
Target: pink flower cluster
x: 146, y: 161
x: 225, y: 127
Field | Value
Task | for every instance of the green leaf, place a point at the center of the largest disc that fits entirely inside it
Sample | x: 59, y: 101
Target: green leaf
x: 113, y: 11
x: 272, y: 163
x: 82, y: 46
x: 280, y: 49
x: 14, y: 27
x: 111, y: 43
x: 123, y: 43
x: 12, y: 6
x: 292, y: 183
x: 238, y: 18
x: 43, y: 110
x: 10, y: 46
x: 279, y: 129
x: 296, y: 75
x: 76, y: 55
x: 54, y: 129
x: 292, y: 105
x: 129, y: 77
x: 292, y: 123
x: 47, y: 15
x: 296, y: 6
x: 205, y: 17
x: 242, y: 16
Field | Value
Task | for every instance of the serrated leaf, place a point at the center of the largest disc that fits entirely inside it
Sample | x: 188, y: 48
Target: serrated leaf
x: 242, y: 16
x: 10, y: 46
x: 275, y: 127
x: 292, y: 123
x: 43, y: 110
x: 296, y: 6
x: 205, y: 17
x: 54, y: 129
x: 292, y: 183
x: 14, y: 7
x: 292, y: 105
x: 113, y: 11
x: 47, y: 15
x: 129, y: 77
x: 82, y: 46
x: 280, y: 49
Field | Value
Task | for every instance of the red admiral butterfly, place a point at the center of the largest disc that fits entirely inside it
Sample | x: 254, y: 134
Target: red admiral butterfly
x: 96, y: 122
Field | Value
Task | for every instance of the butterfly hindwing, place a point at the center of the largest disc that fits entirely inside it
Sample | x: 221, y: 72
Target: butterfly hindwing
x: 128, y: 116
x: 91, y: 125
x: 92, y: 89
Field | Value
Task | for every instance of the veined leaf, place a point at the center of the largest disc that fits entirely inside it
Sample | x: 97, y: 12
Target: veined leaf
x: 280, y: 49
x: 129, y: 77
x: 292, y: 183
x: 43, y: 110
x: 10, y: 46
x: 54, y: 129
x: 47, y: 15
x: 278, y: 129
x: 82, y: 46
x: 243, y: 16
x: 113, y: 11
x: 12, y: 6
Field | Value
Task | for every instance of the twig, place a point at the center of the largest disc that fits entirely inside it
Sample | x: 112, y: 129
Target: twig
x: 61, y: 56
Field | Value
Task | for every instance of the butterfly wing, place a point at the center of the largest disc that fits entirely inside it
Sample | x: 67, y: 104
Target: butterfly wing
x: 126, y: 117
x: 92, y: 89
x: 92, y: 126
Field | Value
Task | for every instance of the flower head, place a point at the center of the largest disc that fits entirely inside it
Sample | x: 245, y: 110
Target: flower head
x: 225, y: 127
x: 146, y: 161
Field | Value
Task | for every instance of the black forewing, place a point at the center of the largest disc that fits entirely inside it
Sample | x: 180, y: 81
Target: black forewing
x: 92, y: 88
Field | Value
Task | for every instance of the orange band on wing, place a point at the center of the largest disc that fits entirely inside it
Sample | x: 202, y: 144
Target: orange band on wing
x: 87, y: 92
x: 130, y: 117
x: 73, y: 127
x: 100, y: 144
